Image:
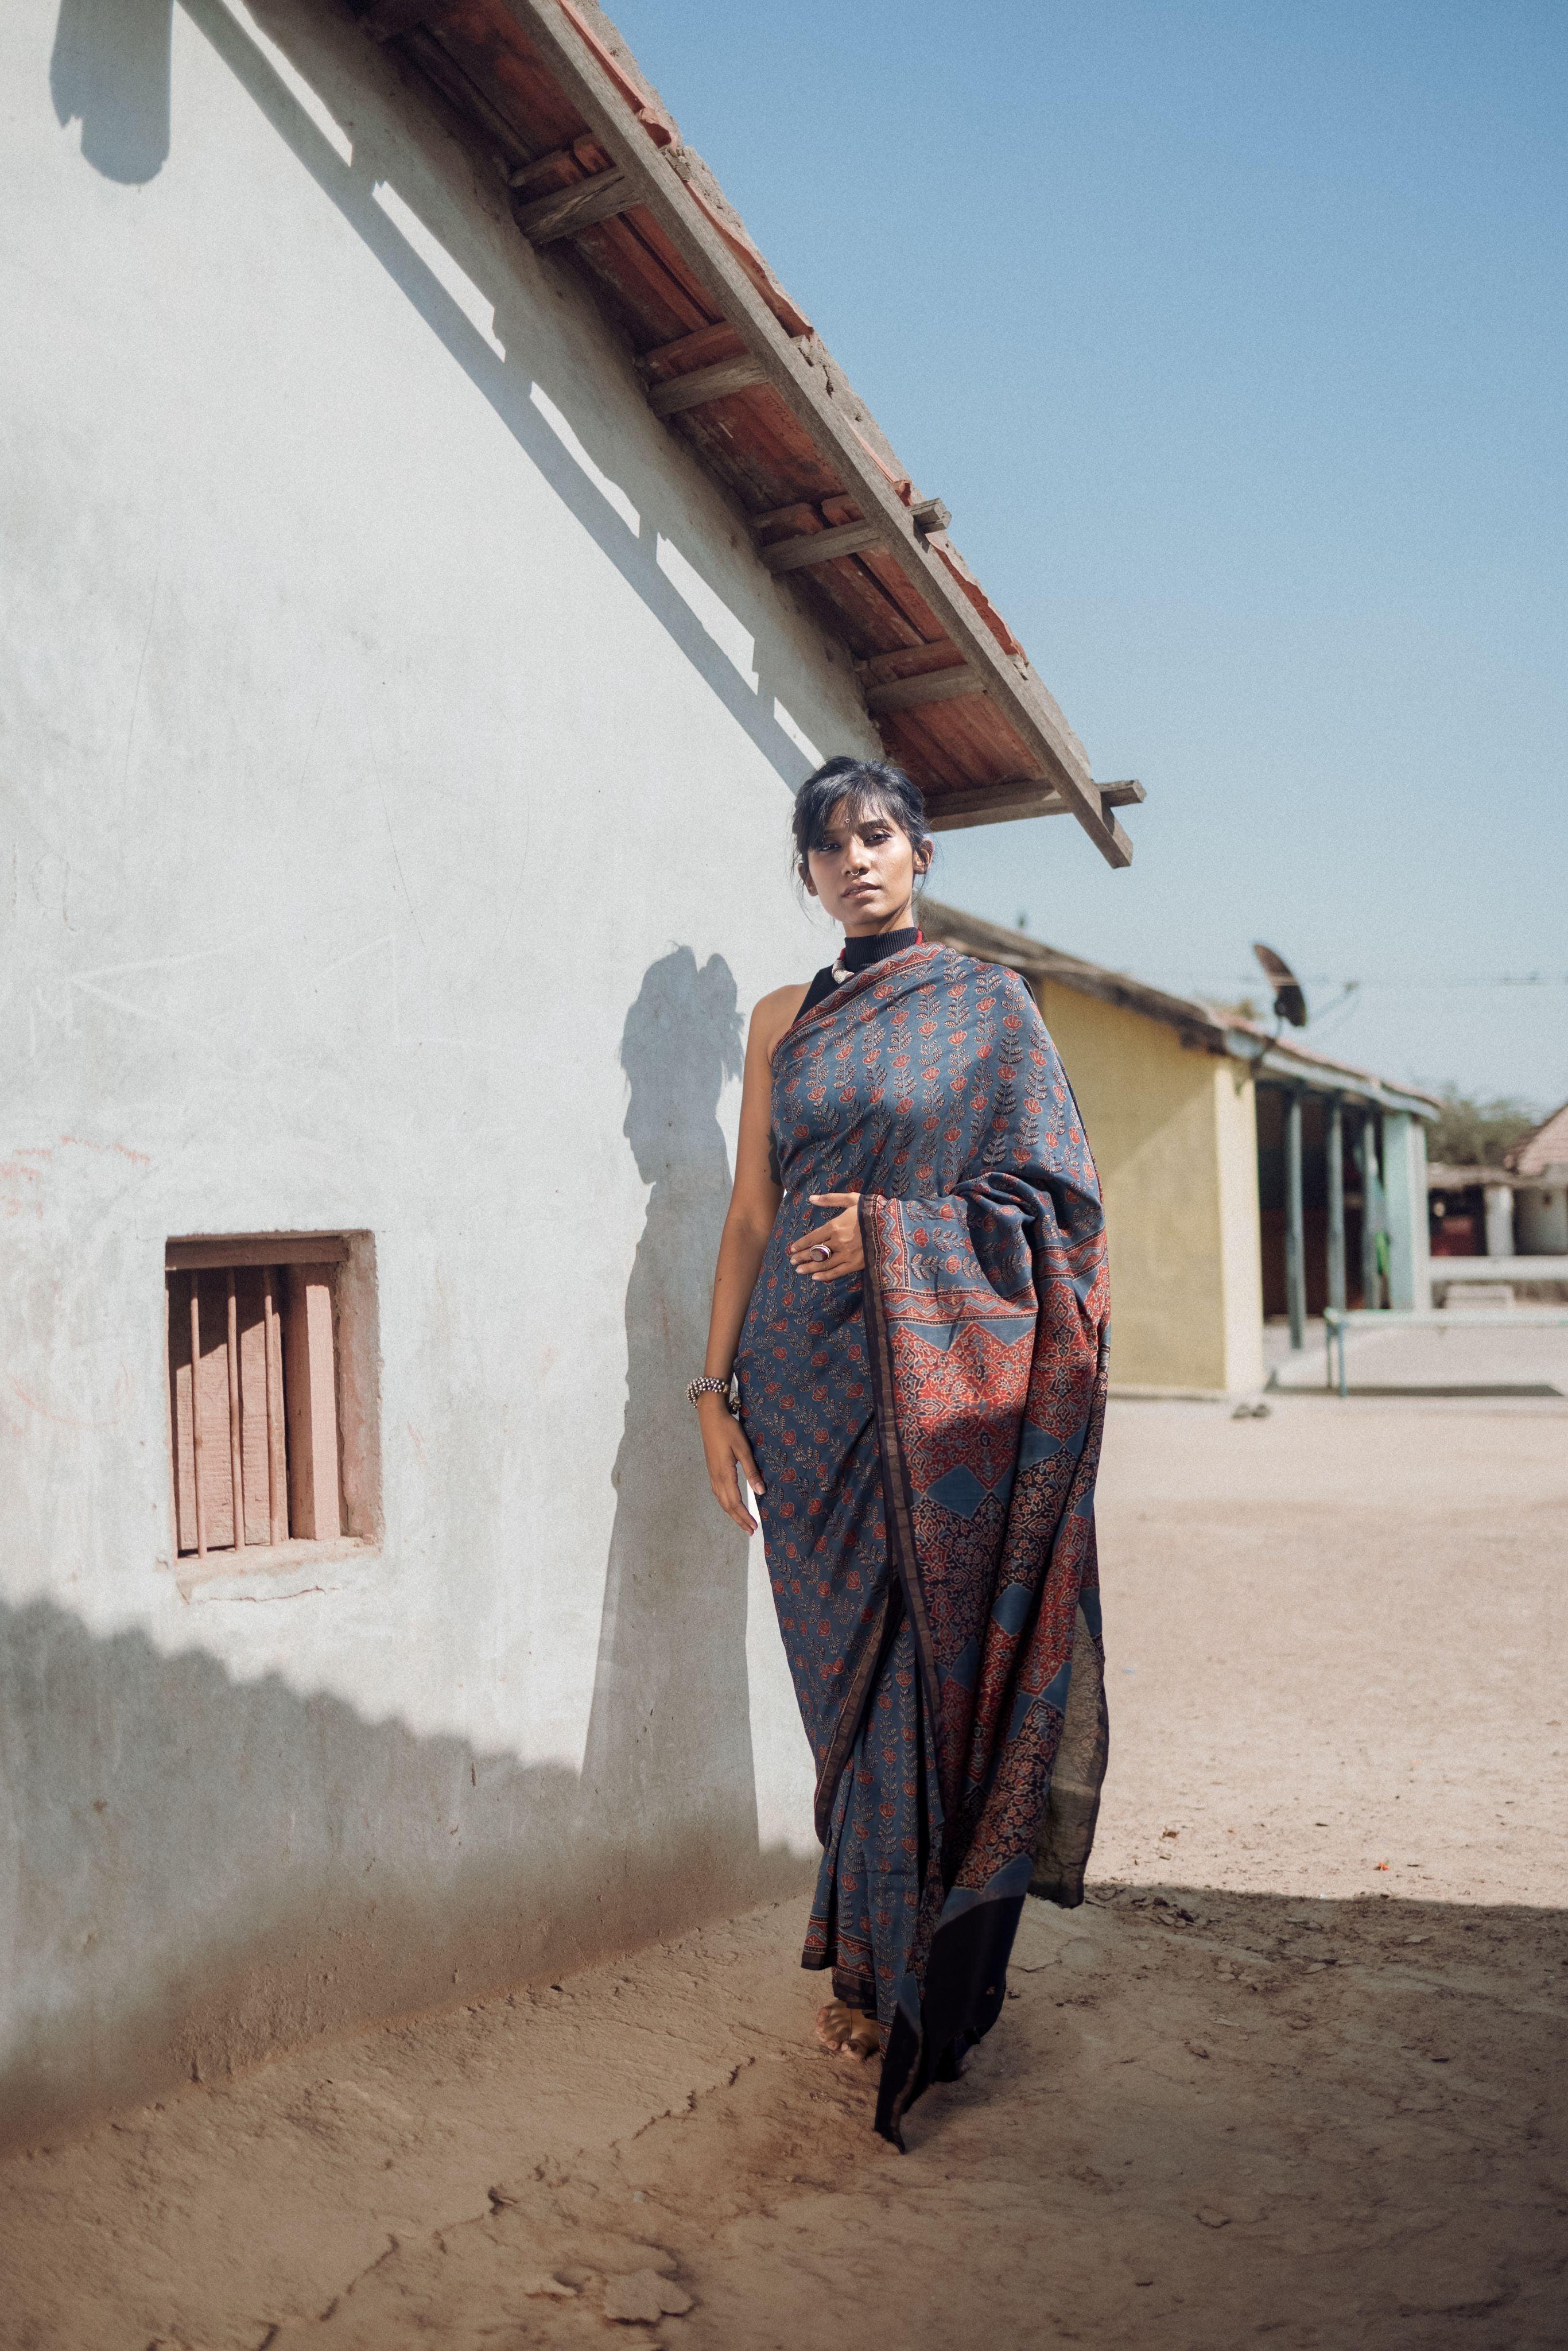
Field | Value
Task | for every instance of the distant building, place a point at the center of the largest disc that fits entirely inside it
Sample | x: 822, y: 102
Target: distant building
x: 1486, y: 1222
x: 1471, y: 1211
x: 1244, y: 1176
x: 1539, y: 1166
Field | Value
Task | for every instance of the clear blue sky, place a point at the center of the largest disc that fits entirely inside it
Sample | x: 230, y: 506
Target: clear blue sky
x: 1236, y: 337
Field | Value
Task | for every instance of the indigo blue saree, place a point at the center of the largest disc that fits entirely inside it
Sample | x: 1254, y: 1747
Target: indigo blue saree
x: 928, y: 1435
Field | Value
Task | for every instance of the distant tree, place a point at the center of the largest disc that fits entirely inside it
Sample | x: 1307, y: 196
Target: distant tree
x: 1473, y: 1133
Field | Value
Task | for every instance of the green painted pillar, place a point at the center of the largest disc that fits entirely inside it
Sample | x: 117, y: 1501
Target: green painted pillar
x: 1295, y: 1226
x: 1336, y: 1204
x: 1371, y: 1210
x: 1404, y: 1209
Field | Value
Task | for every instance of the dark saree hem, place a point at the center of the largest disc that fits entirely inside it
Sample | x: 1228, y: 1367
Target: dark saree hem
x: 965, y: 1986
x: 857, y: 1988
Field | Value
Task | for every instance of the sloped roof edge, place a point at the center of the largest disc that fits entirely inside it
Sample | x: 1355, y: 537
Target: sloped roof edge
x: 1207, y: 1028
x: 1545, y: 1147
x: 599, y: 173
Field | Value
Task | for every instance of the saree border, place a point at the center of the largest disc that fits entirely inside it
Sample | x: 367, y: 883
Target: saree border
x: 851, y: 1715
x: 897, y: 1493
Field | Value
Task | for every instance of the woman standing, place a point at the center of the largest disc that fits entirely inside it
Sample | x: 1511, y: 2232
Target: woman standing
x: 910, y: 1300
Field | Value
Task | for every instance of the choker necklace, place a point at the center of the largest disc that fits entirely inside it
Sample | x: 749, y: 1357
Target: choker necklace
x: 873, y: 950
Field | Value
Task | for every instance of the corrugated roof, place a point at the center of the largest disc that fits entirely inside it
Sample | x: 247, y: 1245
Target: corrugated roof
x: 547, y: 91
x: 1208, y: 1027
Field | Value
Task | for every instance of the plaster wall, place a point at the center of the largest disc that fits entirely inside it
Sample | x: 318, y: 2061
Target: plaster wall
x: 1542, y: 1212
x: 1174, y: 1136
x: 399, y: 739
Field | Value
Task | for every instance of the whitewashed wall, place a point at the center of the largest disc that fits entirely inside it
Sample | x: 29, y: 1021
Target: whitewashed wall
x: 398, y: 738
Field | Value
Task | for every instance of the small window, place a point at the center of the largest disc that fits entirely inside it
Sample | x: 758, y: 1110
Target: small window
x: 264, y: 1452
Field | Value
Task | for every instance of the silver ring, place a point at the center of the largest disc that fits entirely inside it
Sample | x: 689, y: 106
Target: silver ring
x: 823, y: 1250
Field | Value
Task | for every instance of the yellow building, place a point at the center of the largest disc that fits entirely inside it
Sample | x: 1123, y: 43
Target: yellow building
x: 1233, y: 1177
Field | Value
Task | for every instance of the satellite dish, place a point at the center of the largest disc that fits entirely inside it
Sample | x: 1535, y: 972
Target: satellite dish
x: 1290, y: 1004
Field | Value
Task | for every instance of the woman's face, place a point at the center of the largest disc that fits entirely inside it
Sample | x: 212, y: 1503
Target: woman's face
x: 865, y: 872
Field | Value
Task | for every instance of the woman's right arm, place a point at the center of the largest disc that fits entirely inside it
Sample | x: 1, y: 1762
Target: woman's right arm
x: 753, y: 1205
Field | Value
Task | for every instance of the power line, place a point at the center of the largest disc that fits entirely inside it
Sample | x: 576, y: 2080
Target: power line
x: 1249, y: 980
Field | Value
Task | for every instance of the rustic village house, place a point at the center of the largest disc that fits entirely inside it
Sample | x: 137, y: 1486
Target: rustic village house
x: 1538, y: 1166
x: 436, y: 547
x: 1246, y: 1175
x: 1506, y: 1228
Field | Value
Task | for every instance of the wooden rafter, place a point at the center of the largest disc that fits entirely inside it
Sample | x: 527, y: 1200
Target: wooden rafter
x: 699, y: 385
x: 569, y: 210
x: 819, y: 547
x: 930, y: 685
x: 1004, y: 803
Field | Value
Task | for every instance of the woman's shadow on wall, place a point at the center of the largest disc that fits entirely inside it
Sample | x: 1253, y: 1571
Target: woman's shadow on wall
x: 110, y: 70
x: 669, y: 1753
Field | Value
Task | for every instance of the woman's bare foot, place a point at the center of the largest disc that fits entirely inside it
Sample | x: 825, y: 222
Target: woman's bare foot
x: 848, y: 2032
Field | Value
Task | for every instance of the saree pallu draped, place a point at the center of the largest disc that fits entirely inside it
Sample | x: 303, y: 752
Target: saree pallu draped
x: 928, y: 1435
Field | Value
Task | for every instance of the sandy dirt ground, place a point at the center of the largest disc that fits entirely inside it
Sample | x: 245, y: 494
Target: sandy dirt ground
x: 1293, y: 2074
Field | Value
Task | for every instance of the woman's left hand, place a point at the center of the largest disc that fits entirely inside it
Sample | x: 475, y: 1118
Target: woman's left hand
x: 835, y: 1249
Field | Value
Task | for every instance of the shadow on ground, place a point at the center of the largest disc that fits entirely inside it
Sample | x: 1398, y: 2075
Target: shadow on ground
x: 1206, y: 2120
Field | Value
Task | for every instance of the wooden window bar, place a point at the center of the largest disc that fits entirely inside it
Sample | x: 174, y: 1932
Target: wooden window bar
x: 267, y: 1304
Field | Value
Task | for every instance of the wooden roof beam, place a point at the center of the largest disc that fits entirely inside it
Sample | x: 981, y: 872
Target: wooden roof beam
x: 1006, y: 803
x: 930, y: 685
x: 819, y: 547
x: 546, y: 219
x: 803, y: 388
x: 700, y: 385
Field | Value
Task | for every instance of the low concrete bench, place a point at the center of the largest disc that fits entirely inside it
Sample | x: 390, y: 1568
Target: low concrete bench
x: 1337, y: 1321
x: 1449, y: 1272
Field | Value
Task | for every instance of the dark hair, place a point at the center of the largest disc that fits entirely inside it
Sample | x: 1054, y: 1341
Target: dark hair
x: 862, y: 788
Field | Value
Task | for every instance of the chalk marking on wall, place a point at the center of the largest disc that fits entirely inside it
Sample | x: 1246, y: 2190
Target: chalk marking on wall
x: 310, y: 746
x: 211, y: 1031
x: 236, y: 945
x: 16, y: 1177
x: 391, y: 838
x: 121, y: 1150
x: 469, y: 298
x: 733, y: 638
x: 294, y: 81
x: 386, y: 939
x: 136, y: 694
x: 63, y: 1420
x: 797, y: 734
x: 611, y: 492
